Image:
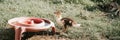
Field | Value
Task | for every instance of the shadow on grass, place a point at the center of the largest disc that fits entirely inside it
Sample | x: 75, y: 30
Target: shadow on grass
x: 8, y: 34
x: 30, y: 34
x: 1, y: 1
x: 90, y: 8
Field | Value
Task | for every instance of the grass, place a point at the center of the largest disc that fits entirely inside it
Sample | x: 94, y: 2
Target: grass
x: 94, y: 26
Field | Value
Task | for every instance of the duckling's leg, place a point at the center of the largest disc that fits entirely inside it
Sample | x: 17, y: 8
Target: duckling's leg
x: 65, y: 28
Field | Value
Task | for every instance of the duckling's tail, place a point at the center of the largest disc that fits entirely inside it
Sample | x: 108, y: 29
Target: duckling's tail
x: 76, y: 25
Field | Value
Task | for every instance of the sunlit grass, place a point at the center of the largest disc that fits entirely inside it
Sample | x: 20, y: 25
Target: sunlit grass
x: 93, y: 23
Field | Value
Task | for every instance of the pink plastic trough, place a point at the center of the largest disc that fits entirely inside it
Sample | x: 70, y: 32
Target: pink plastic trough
x: 30, y: 24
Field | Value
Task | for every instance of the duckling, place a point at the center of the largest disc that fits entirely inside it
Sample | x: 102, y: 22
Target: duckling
x: 65, y: 22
